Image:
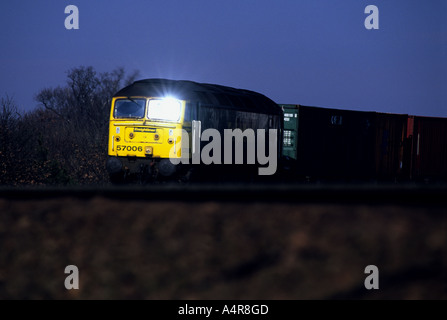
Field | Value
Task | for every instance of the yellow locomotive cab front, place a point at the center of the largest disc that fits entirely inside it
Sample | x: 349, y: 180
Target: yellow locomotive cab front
x: 144, y: 132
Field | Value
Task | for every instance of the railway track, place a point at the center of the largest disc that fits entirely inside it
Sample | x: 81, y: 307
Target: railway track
x: 324, y: 193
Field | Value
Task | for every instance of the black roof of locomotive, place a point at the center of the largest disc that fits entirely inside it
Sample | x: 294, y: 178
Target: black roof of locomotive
x: 205, y: 93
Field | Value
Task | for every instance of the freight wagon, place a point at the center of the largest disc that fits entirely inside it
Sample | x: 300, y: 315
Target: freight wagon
x: 427, y: 139
x: 344, y: 145
x: 322, y: 143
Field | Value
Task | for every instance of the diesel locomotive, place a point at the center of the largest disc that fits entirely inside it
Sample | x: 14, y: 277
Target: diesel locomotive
x: 157, y: 129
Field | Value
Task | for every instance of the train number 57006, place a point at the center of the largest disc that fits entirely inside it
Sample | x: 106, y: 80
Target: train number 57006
x: 129, y: 148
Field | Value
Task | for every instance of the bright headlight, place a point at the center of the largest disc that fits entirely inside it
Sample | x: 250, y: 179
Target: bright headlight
x: 168, y: 109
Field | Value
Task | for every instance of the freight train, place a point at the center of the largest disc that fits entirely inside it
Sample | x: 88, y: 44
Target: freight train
x: 172, y: 129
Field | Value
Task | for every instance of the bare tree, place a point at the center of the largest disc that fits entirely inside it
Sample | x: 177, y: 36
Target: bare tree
x: 11, y: 140
x: 64, y: 140
x: 76, y: 135
x: 9, y: 114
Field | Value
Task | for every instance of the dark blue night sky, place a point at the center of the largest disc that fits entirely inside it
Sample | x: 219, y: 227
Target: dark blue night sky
x: 294, y: 51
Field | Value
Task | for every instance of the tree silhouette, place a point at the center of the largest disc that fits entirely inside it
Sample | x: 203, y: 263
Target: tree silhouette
x: 64, y: 140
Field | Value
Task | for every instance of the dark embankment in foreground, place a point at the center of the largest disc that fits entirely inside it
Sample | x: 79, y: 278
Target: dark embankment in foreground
x: 232, y: 242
